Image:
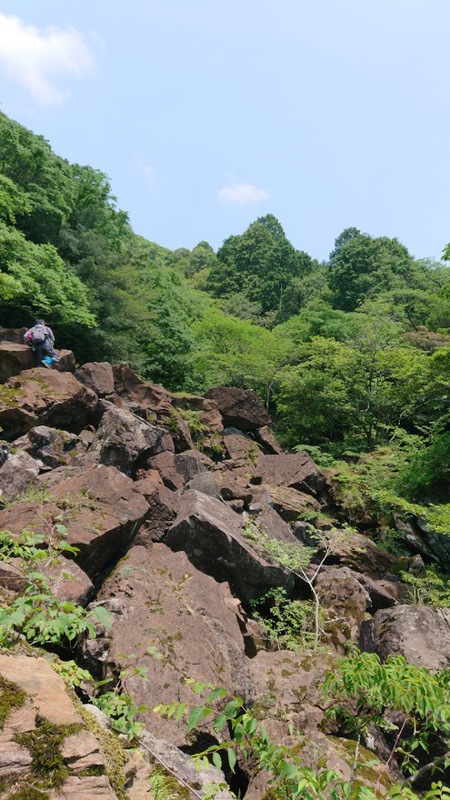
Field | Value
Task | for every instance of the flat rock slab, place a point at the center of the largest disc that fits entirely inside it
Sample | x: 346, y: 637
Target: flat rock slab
x: 294, y: 470
x: 44, y: 688
x: 44, y: 397
x: 95, y: 787
x: 101, y: 510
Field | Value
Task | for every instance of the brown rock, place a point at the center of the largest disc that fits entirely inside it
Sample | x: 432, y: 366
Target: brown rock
x: 177, y: 623
x: 207, y: 426
x: 125, y: 441
x: 163, y: 506
x: 66, y: 363
x: 231, y: 488
x: 14, y: 759
x: 98, y: 376
x: 266, y: 439
x: 271, y: 523
x: 240, y: 408
x: 294, y: 470
x: 43, y: 687
x: 292, y: 504
x: 354, y: 550
x: 137, y: 774
x: 51, y: 448
x: 176, y: 469
x: 421, y: 538
x: 12, y: 335
x: 12, y: 577
x: 287, y: 693
x: 212, y: 536
x: 82, y: 751
x: 96, y: 787
x: 204, y: 482
x: 178, y: 764
x: 100, y: 508
x: 207, y: 410
x: 44, y: 397
x: 344, y: 602
x: 148, y: 397
x: 240, y: 447
x: 383, y: 593
x: 68, y: 582
x: 19, y: 472
x: 14, y: 358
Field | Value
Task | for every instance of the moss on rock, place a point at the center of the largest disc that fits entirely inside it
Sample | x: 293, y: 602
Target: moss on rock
x: 11, y: 696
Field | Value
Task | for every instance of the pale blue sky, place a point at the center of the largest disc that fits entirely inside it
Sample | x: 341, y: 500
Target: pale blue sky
x: 206, y: 114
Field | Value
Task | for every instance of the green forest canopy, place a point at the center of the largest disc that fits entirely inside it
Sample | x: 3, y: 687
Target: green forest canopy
x: 346, y: 352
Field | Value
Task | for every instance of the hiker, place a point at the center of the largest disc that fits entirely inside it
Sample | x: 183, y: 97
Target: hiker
x: 41, y: 339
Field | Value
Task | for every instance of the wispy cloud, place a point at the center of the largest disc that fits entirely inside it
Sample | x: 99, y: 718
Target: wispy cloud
x: 149, y: 172
x: 236, y: 192
x: 35, y: 57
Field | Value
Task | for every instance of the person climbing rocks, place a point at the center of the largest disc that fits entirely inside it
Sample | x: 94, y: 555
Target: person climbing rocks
x: 41, y: 339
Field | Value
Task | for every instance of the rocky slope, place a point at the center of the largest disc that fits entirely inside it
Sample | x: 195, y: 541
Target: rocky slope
x: 159, y: 497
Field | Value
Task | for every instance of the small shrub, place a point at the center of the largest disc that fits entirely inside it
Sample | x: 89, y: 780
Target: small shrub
x: 289, y: 624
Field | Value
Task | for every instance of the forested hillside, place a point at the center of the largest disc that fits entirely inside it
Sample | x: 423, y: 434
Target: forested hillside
x: 201, y: 548
x: 351, y: 355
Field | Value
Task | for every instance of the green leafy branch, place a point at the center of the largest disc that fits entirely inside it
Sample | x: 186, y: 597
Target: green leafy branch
x: 297, y: 559
x: 37, y: 614
x: 363, y: 689
x: 288, y: 778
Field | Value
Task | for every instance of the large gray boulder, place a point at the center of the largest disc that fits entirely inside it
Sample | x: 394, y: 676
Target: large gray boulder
x: 419, y: 633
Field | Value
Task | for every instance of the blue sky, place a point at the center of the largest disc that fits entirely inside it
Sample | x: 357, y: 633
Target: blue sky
x: 206, y: 114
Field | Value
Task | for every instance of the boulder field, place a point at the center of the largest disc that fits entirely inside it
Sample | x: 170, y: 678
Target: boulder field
x: 162, y: 500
